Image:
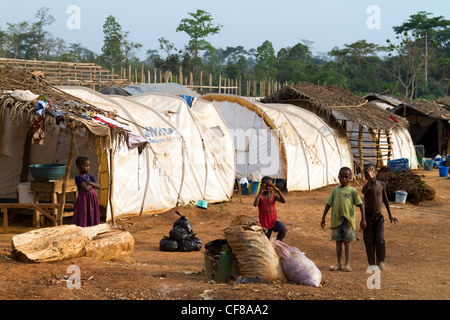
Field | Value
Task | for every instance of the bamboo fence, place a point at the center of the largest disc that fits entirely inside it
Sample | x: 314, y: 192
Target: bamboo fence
x: 96, y: 77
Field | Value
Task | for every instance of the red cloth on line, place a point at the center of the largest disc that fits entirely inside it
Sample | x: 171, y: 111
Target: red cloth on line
x: 267, y: 212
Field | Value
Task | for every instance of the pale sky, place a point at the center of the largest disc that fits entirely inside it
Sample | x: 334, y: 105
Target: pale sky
x: 327, y: 23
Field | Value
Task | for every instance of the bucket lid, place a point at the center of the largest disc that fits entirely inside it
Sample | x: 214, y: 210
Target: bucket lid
x: 401, y: 192
x: 24, y: 185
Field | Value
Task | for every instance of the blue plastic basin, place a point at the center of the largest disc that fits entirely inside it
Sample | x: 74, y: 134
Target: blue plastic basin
x: 45, y: 172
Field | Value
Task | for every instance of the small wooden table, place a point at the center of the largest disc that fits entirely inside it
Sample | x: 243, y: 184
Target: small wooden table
x: 54, y: 188
x: 37, y: 207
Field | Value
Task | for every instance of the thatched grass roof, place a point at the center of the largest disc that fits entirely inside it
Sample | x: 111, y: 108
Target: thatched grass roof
x: 324, y: 100
x: 12, y: 79
x: 429, y: 108
x: 445, y: 101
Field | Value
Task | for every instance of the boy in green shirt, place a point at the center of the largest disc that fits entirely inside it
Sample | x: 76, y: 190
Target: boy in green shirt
x: 342, y: 201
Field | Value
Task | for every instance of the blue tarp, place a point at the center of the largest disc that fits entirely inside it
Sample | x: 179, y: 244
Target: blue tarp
x: 189, y: 99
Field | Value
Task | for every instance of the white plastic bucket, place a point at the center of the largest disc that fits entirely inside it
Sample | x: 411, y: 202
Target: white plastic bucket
x: 25, y: 193
x: 400, y: 196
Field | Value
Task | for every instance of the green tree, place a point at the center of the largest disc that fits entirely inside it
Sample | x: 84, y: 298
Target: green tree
x: 294, y: 63
x: 266, y: 61
x: 199, y: 27
x: 22, y: 39
x: 77, y: 53
x: 424, y: 28
x: 112, y: 54
x: 3, y: 42
x: 129, y: 48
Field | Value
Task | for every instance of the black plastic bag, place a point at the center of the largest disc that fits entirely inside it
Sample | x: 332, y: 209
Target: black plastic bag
x: 167, y: 244
x: 215, y: 246
x: 188, y: 245
x: 197, y: 243
x: 184, y: 223
x: 178, y: 233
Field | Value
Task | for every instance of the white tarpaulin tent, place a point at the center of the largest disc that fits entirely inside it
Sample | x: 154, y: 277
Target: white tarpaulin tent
x: 209, y: 144
x: 283, y: 142
x: 170, y: 88
x: 175, y: 167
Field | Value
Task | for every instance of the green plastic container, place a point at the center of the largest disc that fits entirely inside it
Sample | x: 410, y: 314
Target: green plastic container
x: 228, y: 266
x: 45, y: 172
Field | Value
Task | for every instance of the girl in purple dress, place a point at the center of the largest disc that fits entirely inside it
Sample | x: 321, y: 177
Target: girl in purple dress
x: 86, y: 209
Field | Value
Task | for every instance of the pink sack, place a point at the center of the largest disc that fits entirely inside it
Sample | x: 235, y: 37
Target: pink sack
x: 296, y: 266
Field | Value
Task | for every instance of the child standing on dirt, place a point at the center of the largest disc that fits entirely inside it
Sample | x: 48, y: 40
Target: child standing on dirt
x: 342, y: 200
x: 374, y: 196
x: 86, y: 210
x: 265, y: 201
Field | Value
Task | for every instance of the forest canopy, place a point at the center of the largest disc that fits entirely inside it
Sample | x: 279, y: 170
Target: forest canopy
x: 414, y: 65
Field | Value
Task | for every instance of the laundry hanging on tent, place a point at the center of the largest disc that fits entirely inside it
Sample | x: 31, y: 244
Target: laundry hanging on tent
x: 38, y: 123
x: 38, y: 128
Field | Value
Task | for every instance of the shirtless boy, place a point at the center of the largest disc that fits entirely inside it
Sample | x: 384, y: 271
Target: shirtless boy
x: 374, y: 197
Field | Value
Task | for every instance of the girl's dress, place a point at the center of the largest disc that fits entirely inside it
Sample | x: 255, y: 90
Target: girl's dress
x: 86, y: 209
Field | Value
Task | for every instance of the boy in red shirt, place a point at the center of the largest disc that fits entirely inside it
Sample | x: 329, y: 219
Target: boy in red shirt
x: 265, y: 201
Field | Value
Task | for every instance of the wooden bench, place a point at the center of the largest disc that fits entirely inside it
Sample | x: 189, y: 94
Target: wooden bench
x: 39, y: 208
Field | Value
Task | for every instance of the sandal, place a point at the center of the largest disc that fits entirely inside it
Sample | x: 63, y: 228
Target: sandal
x: 347, y: 269
x: 335, y: 268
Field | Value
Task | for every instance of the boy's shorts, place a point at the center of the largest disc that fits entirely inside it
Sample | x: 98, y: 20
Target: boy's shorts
x: 343, y: 233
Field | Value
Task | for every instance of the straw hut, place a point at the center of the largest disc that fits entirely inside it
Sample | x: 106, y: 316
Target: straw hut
x: 429, y: 120
x: 368, y: 127
x: 28, y: 136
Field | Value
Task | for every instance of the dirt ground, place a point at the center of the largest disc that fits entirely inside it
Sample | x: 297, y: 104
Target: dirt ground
x: 417, y: 263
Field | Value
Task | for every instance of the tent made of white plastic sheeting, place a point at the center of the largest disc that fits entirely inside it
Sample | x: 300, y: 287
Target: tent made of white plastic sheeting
x: 145, y: 182
x: 170, y: 88
x: 402, y: 143
x: 55, y: 149
x: 161, y: 176
x: 209, y: 144
x: 284, y: 142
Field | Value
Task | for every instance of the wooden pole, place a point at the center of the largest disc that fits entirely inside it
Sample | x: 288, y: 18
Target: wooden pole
x: 5, y: 220
x: 240, y: 85
x: 210, y: 83
x: 111, y: 184
x: 66, y: 175
x: 220, y: 82
x: 360, y: 151
x: 201, y: 81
